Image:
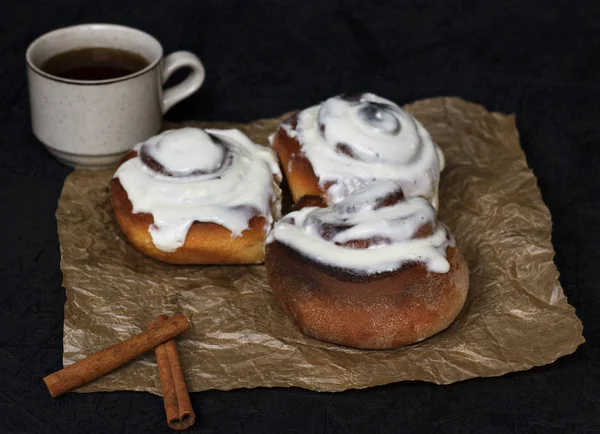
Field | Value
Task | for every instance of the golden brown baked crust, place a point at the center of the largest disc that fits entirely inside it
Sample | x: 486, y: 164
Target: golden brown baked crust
x: 206, y: 243
x: 297, y: 169
x: 388, y: 310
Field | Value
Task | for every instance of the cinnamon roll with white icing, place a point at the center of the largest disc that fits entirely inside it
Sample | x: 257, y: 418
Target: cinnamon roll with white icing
x: 192, y: 196
x: 348, y: 141
x: 375, y: 270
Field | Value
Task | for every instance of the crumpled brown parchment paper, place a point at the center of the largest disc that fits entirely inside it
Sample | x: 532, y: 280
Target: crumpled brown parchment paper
x: 516, y: 315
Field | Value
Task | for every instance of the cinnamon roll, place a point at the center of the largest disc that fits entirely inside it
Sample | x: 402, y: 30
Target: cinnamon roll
x: 375, y: 270
x: 192, y: 196
x: 349, y: 141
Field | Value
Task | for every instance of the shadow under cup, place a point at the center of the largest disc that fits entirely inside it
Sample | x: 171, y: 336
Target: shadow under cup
x: 92, y: 124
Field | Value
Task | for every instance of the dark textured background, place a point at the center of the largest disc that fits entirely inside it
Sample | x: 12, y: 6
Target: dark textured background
x: 538, y: 59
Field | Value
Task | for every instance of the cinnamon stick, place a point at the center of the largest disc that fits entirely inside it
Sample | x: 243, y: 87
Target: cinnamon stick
x: 109, y: 359
x: 178, y: 407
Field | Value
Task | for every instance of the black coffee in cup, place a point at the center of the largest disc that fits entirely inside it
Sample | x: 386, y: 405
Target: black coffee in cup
x: 94, y: 63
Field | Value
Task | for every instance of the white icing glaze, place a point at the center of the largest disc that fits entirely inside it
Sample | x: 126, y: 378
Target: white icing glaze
x: 174, y: 149
x: 391, y: 230
x: 208, y: 183
x: 385, y: 141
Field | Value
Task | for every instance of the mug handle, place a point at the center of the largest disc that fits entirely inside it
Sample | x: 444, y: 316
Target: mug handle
x: 192, y: 82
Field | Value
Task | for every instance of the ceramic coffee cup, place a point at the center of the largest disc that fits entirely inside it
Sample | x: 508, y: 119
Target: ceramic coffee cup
x: 92, y: 124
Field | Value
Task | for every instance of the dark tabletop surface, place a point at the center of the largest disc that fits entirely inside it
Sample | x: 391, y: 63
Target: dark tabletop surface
x: 537, y: 59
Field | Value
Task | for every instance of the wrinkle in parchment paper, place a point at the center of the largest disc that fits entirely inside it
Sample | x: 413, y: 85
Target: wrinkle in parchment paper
x: 516, y: 315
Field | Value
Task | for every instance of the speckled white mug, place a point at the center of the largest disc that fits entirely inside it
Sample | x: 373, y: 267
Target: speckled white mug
x: 92, y: 124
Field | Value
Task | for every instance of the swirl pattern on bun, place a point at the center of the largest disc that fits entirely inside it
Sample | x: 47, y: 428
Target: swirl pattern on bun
x: 188, y: 177
x: 394, y: 230
x: 349, y: 141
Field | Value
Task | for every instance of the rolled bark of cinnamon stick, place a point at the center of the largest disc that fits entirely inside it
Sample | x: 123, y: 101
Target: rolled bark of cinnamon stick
x: 109, y: 359
x: 178, y: 407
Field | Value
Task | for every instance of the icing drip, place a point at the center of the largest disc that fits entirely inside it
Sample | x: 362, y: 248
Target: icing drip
x: 351, y: 140
x: 373, y: 230
x: 187, y: 175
